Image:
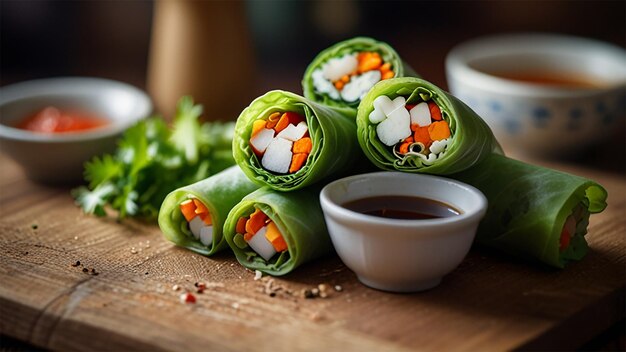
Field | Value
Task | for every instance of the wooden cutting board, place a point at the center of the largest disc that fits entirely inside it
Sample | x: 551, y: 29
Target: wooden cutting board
x: 490, y: 302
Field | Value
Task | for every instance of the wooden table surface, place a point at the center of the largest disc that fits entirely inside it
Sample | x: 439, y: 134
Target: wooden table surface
x: 490, y: 302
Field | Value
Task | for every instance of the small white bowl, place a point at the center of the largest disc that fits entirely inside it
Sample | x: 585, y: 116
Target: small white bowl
x: 59, y: 157
x: 535, y: 119
x: 401, y: 255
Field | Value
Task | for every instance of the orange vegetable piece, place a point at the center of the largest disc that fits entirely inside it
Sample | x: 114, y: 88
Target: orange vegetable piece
x: 439, y: 130
x: 275, y: 237
x: 297, y: 160
x: 339, y: 85
x: 241, y: 225
x: 200, y: 207
x: 248, y: 236
x: 387, y: 75
x: 302, y: 145
x: 257, y: 126
x: 206, y: 218
x: 256, y: 221
x: 421, y: 135
x: 404, y: 147
x: 435, y: 112
x: 345, y: 79
x: 369, y: 61
x: 188, y: 208
x: 282, y: 123
x: 385, y: 67
x: 273, y: 120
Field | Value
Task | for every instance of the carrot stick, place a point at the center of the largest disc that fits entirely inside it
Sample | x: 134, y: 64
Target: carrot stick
x: 256, y: 221
x: 275, y: 237
x: 439, y: 130
x: 282, y: 123
x: 248, y: 236
x: 241, y: 225
x: 302, y: 145
x: 257, y: 126
x: 206, y: 218
x: 200, y: 207
x: 404, y: 147
x: 435, y: 112
x: 387, y: 75
x: 421, y: 135
x: 188, y: 208
x: 368, y: 61
x: 297, y: 161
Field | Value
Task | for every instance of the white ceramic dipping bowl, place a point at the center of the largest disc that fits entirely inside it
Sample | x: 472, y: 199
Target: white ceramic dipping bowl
x: 536, y: 119
x: 58, y: 158
x: 401, y: 255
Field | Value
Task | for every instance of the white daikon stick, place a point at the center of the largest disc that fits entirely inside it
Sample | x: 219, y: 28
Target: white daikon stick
x: 277, y: 157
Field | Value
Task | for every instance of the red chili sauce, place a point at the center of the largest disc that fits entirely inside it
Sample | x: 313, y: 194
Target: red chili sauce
x: 53, y: 120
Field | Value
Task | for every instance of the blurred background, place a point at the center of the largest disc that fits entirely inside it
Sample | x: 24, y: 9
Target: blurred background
x: 261, y: 45
x: 226, y: 53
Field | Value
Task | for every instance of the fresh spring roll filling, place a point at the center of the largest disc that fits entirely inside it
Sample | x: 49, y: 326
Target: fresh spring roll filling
x: 342, y: 74
x: 193, y: 216
x: 534, y: 212
x: 275, y: 232
x: 408, y: 124
x: 287, y: 142
x: 282, y: 142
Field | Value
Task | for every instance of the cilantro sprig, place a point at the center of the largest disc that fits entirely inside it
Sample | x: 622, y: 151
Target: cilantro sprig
x: 152, y: 160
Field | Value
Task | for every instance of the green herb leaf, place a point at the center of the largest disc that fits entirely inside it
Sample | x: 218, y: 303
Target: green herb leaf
x: 152, y: 160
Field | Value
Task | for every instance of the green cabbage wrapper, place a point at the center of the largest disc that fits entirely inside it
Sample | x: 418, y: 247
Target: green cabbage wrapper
x: 528, y: 206
x: 471, y: 139
x: 299, y: 218
x: 358, y: 44
x: 335, y: 147
x: 219, y: 193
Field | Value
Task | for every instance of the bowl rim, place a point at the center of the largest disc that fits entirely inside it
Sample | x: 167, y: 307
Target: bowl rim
x: 335, y: 210
x: 457, y: 67
x: 25, y: 89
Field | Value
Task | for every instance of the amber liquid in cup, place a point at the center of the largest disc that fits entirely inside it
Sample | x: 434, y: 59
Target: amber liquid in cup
x: 549, y: 78
x: 402, y: 207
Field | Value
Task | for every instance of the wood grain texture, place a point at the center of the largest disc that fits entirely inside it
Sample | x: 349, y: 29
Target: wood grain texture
x: 490, y: 302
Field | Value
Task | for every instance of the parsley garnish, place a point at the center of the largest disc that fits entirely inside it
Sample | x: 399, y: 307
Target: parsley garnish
x: 152, y: 160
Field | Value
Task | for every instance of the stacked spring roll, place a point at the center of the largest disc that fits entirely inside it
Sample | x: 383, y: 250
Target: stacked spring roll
x: 275, y: 232
x: 410, y: 125
x: 342, y: 74
x: 534, y: 212
x: 287, y: 142
x: 193, y: 216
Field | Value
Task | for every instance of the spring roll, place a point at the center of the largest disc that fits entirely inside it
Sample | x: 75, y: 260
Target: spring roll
x: 534, y: 212
x: 193, y: 216
x: 341, y: 75
x: 287, y: 142
x: 275, y: 232
x: 410, y: 125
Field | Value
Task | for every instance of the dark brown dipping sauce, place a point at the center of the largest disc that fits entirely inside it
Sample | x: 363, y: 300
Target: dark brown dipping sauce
x: 402, y: 207
x: 548, y: 78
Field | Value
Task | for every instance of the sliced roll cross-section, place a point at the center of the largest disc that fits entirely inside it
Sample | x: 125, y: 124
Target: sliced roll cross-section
x: 341, y: 75
x: 275, y: 232
x: 288, y: 142
x: 408, y: 124
x: 193, y: 216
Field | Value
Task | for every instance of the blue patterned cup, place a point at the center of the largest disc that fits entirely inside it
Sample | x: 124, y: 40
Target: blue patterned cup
x: 542, y: 95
